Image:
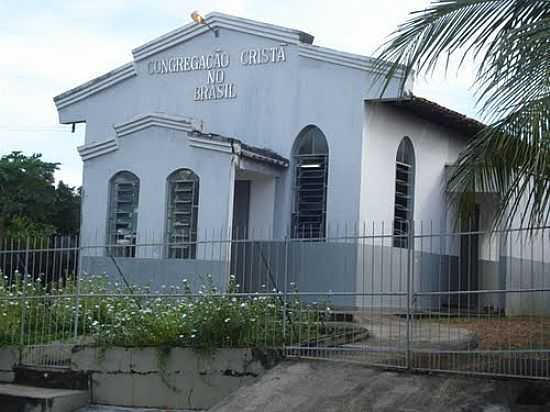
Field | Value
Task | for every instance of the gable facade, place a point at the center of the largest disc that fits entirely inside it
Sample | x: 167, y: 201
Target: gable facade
x: 258, y: 83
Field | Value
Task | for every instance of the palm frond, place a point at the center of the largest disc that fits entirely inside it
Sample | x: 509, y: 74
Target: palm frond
x: 512, y: 158
x: 510, y: 41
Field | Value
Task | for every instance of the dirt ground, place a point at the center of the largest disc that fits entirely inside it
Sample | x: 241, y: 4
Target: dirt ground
x: 507, y: 333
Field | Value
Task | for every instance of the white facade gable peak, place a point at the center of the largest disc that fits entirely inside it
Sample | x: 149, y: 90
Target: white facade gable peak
x: 221, y: 21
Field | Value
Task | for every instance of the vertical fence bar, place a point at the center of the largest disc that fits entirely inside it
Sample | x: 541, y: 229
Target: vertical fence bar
x: 410, y: 240
x: 24, y: 290
x: 285, y: 293
x: 79, y: 248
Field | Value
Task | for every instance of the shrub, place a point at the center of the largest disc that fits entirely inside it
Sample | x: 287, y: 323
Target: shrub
x: 113, y: 315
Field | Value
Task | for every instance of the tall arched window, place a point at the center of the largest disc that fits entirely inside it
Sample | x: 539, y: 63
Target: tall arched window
x: 123, y: 214
x: 310, y: 155
x: 404, y: 193
x: 182, y: 214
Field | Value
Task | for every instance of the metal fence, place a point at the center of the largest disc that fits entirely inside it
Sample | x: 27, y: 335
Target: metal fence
x: 472, y: 302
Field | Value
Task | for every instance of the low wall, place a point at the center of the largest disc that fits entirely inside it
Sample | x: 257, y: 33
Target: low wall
x: 161, y: 378
x: 168, y: 378
x: 9, y: 359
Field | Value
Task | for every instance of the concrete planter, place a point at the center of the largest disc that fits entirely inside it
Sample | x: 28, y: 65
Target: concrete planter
x: 9, y: 359
x: 170, y: 378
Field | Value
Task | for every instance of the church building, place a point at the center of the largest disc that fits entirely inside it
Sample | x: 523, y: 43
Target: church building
x: 238, y: 129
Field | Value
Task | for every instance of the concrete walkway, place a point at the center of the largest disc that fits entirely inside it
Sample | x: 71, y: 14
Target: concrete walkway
x: 391, y: 331
x: 386, y: 341
x: 340, y: 387
x: 100, y: 408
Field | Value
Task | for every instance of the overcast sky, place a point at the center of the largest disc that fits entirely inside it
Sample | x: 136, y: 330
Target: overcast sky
x: 49, y: 47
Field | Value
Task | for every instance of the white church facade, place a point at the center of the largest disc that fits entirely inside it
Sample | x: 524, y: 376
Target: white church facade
x: 246, y: 130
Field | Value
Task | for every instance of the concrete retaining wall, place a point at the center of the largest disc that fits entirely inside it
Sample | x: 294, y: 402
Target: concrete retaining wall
x: 9, y: 358
x: 171, y: 378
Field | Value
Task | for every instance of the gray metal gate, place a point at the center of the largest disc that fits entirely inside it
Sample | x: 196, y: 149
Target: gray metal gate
x: 469, y: 302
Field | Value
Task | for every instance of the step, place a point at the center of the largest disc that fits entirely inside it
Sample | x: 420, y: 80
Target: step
x: 55, y: 378
x: 21, y: 398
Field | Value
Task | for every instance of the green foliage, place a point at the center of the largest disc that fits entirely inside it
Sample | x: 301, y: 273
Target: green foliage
x: 30, y: 204
x: 21, y: 227
x: 509, y: 40
x: 65, y: 216
x: 111, y: 315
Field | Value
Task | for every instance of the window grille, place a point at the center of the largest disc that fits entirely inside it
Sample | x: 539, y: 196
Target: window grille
x: 404, y: 193
x: 123, y: 214
x: 310, y: 190
x: 182, y: 214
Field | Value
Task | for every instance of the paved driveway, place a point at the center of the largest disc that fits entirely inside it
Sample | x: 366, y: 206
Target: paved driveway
x: 340, y: 387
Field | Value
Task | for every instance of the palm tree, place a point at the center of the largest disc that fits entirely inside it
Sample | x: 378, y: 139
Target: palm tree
x: 509, y: 40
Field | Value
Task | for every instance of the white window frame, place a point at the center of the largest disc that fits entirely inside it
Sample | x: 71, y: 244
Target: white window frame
x: 123, y: 214
x: 182, y: 210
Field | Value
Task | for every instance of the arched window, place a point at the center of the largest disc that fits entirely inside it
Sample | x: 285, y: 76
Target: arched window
x: 123, y: 214
x: 310, y: 155
x: 182, y: 214
x: 404, y: 193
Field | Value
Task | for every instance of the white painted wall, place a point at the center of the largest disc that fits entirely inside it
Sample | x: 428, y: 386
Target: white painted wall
x: 434, y: 147
x: 262, y: 206
x: 274, y: 103
x: 152, y: 154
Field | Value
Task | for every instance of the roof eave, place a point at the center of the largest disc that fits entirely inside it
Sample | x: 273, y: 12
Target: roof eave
x: 441, y: 114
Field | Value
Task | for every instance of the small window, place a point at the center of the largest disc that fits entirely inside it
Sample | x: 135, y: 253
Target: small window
x: 182, y: 214
x: 310, y: 157
x: 404, y: 193
x: 123, y: 214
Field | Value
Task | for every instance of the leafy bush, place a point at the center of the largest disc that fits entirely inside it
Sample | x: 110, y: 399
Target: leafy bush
x: 113, y: 315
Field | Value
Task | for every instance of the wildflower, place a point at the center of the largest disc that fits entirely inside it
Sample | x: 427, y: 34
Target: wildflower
x: 227, y: 320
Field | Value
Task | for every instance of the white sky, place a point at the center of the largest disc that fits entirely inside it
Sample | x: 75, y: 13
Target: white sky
x: 48, y: 47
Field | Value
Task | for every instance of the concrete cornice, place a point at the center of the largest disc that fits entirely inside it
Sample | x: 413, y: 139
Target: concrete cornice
x: 143, y: 121
x: 89, y: 151
x: 221, y: 21
x: 210, y: 144
x: 236, y: 147
x: 345, y: 59
x: 96, y: 85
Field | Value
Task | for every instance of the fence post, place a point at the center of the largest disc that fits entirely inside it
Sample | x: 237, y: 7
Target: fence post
x: 77, y: 296
x: 285, y: 294
x: 410, y: 263
x: 24, y: 290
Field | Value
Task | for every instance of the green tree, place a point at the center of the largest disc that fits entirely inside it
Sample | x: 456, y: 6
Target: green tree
x: 30, y: 204
x: 509, y: 40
